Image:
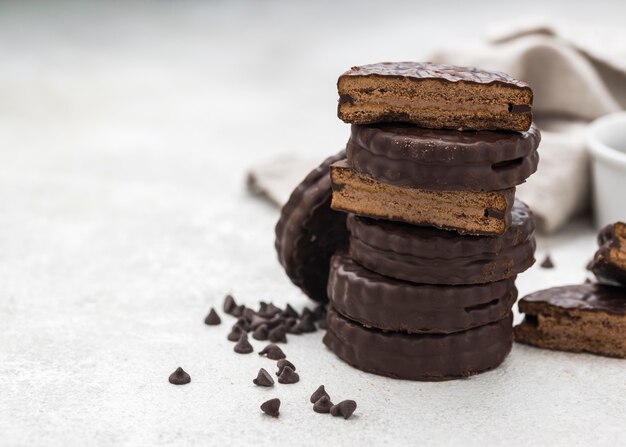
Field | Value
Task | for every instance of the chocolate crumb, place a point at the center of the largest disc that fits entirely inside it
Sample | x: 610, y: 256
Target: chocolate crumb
x: 290, y: 312
x: 306, y: 325
x: 547, y: 263
x: 288, y: 376
x: 229, y: 304
x: 322, y: 405
x: 263, y: 378
x: 179, y: 377
x: 271, y: 407
x: 212, y: 319
x: 243, y: 346
x: 235, y: 333
x: 319, y: 393
x: 278, y: 334
x: 344, y: 408
x: 260, y: 333
x: 273, y: 352
x: 281, y: 365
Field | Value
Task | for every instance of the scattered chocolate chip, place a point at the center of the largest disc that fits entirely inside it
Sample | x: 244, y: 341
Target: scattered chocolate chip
x: 263, y: 378
x: 243, y: 324
x: 278, y: 334
x: 306, y: 324
x: 271, y: 407
x: 273, y: 352
x: 319, y: 312
x: 306, y: 311
x: 262, y: 308
x: 258, y: 321
x: 179, y: 377
x: 547, y: 263
x: 322, y: 405
x: 237, y: 311
x: 587, y: 281
x: 276, y: 320
x: 292, y: 326
x: 272, y: 310
x: 319, y: 393
x: 248, y: 314
x: 288, y: 376
x: 243, y: 346
x: 212, y: 319
x: 260, y: 333
x: 344, y: 408
x: 229, y: 304
x: 290, y: 312
x: 281, y: 365
x: 235, y: 333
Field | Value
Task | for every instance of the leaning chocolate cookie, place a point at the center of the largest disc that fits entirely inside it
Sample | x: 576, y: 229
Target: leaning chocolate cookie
x: 309, y: 232
x: 431, y: 256
x: 434, y: 96
x: 405, y: 155
x: 419, y: 357
x: 609, y: 262
x: 385, y: 303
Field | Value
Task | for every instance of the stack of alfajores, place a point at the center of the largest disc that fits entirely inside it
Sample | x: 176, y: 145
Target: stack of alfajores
x: 436, y: 237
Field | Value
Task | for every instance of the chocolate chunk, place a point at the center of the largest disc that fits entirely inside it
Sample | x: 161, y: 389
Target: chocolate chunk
x: 278, y: 334
x: 282, y: 363
x: 273, y: 352
x: 179, y: 377
x: 319, y: 393
x: 271, y: 407
x: 243, y: 346
x: 290, y: 312
x: 229, y: 304
x: 579, y: 318
x: 345, y: 408
x: 434, y: 96
x: 288, y: 376
x: 467, y: 212
x: 415, y: 157
x: 433, y: 356
x: 547, y: 263
x: 360, y: 294
x: 609, y: 261
x: 309, y: 232
x: 263, y: 378
x: 212, y: 319
x: 405, y: 251
x: 306, y: 325
x: 235, y: 333
x: 322, y: 405
x: 260, y: 333
x: 238, y: 311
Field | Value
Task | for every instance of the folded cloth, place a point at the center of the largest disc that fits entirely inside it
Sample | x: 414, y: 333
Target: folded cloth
x: 577, y: 75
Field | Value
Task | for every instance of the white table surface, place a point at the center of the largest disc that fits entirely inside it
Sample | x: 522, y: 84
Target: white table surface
x: 125, y: 133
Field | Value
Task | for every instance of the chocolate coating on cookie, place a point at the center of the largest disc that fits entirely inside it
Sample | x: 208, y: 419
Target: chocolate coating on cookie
x: 582, y: 297
x: 419, y: 357
x: 309, y: 232
x: 392, y: 305
x: 431, y: 256
x: 609, y: 262
x: 412, y: 156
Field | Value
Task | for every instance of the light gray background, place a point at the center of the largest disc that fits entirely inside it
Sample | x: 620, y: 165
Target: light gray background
x: 125, y: 133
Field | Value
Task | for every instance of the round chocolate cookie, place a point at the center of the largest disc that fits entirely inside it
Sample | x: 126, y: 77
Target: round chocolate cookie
x: 404, y: 155
x: 392, y: 305
x: 431, y: 256
x: 309, y: 232
x: 419, y: 357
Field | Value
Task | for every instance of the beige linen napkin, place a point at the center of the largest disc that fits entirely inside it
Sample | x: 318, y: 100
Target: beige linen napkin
x: 577, y: 74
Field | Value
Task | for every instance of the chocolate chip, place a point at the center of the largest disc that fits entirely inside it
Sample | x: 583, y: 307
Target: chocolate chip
x: 290, y: 312
x: 179, y: 377
x: 235, y: 333
x: 292, y: 326
x: 229, y: 304
x: 306, y: 311
x: 271, y: 310
x: 243, y: 324
x: 258, y: 321
x: 323, y: 405
x: 276, y: 320
x: 306, y: 325
x: 212, y: 319
x: 248, y: 314
x: 344, y: 408
x: 288, y: 376
x: 319, y: 312
x: 263, y: 378
x: 547, y: 263
x: 273, y: 352
x: 319, y: 393
x: 271, y: 407
x: 262, y: 307
x: 281, y: 365
x: 243, y: 346
x: 260, y: 333
x: 278, y: 334
x: 587, y: 281
x: 237, y: 311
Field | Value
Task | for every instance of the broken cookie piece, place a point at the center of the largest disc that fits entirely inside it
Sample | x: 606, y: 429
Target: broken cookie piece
x: 609, y: 262
x: 467, y: 212
x: 434, y: 96
x: 580, y: 318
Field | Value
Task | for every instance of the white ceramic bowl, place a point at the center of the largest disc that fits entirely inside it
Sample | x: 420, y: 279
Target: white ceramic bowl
x: 606, y: 140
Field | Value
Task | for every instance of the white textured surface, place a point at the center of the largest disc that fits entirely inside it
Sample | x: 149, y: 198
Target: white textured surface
x: 125, y: 132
